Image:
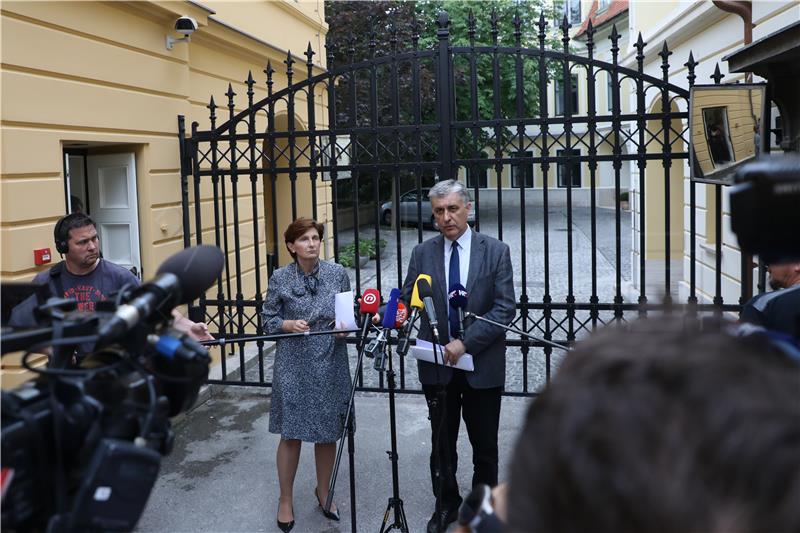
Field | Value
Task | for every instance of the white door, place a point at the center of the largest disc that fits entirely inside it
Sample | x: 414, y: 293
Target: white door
x: 114, y: 207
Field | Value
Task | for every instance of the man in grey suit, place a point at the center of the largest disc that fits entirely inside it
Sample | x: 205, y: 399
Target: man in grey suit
x: 483, y: 264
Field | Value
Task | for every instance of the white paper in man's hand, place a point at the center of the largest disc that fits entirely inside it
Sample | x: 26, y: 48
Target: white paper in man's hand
x: 345, y: 316
x: 424, y: 352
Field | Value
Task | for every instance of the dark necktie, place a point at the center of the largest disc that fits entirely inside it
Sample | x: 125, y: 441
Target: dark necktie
x: 455, y: 278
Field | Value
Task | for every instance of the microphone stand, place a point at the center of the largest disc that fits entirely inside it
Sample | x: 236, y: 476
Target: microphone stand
x: 437, y: 406
x: 519, y: 332
x: 249, y: 338
x: 395, y: 502
x: 349, y: 429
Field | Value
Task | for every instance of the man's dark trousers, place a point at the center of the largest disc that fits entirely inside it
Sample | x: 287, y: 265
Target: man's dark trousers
x: 481, y: 409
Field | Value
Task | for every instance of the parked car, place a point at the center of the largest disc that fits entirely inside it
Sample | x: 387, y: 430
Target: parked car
x: 408, y: 210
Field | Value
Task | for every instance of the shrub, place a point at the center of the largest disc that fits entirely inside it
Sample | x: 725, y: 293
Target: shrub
x: 366, y: 247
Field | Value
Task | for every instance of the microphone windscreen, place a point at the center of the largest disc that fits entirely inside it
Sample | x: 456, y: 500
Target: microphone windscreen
x: 416, y: 301
x: 390, y: 313
x: 402, y: 315
x: 458, y: 296
x: 370, y: 301
x: 197, y: 268
x: 424, y: 286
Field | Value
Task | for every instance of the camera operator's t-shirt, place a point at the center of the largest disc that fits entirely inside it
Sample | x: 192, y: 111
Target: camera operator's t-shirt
x: 97, y: 286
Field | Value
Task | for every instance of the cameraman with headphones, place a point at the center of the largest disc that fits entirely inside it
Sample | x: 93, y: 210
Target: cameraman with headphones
x: 85, y: 276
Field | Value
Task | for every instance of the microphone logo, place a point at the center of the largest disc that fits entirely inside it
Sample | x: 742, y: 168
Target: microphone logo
x: 402, y: 315
x: 369, y: 302
x: 370, y: 298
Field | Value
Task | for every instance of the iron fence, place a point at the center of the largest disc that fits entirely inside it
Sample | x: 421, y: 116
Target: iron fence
x: 392, y: 121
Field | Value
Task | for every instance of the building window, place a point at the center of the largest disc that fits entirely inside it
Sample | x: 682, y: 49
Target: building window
x: 602, y: 5
x: 574, y: 167
x: 561, y: 90
x: 479, y: 174
x: 570, y: 8
x: 522, y: 169
x: 610, y: 93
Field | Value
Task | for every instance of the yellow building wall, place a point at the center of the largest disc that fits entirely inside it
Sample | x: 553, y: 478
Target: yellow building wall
x: 654, y: 14
x: 656, y: 178
x: 98, y: 74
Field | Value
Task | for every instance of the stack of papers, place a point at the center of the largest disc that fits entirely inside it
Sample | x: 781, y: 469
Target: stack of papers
x: 424, y: 352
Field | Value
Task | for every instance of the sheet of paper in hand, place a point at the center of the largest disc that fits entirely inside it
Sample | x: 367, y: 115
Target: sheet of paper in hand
x: 345, y: 316
x: 424, y: 352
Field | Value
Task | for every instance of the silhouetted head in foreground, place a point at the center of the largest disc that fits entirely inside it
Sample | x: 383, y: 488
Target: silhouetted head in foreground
x: 662, y: 427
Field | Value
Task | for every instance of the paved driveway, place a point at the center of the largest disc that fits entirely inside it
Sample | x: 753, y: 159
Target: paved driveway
x: 221, y: 476
x: 538, y: 366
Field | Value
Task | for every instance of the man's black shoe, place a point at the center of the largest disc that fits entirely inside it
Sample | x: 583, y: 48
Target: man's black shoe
x: 441, y: 519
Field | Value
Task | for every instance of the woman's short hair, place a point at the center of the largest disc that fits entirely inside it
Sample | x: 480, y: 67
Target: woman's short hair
x: 448, y: 187
x: 297, y: 228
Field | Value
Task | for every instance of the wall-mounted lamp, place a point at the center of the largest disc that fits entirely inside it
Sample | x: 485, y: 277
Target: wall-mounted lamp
x: 185, y: 26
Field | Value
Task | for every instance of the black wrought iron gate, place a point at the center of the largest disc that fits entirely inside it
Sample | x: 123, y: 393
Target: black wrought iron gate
x: 392, y: 122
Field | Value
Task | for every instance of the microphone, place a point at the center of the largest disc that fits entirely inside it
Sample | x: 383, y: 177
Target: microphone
x: 401, y: 317
x: 389, y: 319
x: 416, y: 302
x: 457, y: 297
x: 402, y: 324
x: 403, y: 343
x: 426, y: 293
x: 182, y: 278
x: 369, y: 306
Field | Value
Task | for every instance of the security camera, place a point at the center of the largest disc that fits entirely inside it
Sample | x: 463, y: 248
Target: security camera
x: 185, y: 25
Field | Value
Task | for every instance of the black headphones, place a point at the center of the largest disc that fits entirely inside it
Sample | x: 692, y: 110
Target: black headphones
x: 66, y: 223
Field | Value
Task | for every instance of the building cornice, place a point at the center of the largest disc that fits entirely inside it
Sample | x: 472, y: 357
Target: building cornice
x: 289, y: 7
x: 680, y: 26
x: 219, y: 33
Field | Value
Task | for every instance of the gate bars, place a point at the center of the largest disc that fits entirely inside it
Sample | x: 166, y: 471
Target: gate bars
x: 393, y: 120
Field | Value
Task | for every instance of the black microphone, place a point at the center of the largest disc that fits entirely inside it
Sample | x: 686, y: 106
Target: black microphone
x: 404, y: 337
x: 426, y: 293
x: 457, y: 298
x: 182, y: 278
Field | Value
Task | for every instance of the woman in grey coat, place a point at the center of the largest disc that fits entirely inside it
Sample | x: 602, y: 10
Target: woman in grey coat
x: 311, y: 375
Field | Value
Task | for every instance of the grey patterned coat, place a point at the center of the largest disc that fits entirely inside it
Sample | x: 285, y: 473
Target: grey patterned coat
x: 311, y: 375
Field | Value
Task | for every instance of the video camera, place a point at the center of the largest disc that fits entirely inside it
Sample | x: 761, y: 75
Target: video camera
x: 82, y: 443
x: 765, y: 208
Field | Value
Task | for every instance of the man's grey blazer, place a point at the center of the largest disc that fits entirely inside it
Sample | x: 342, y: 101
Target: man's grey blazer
x: 490, y: 293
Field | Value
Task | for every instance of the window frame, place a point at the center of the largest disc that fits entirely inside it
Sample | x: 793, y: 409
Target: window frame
x: 560, y: 167
x: 560, y: 95
x: 528, y: 171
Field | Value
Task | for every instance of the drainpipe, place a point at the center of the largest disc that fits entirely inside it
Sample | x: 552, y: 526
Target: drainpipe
x: 743, y: 8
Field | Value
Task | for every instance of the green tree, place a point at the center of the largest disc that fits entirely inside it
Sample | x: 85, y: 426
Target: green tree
x: 354, y: 26
x: 362, y: 30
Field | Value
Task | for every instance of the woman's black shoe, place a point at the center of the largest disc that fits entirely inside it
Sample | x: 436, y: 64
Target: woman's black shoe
x: 330, y: 515
x: 286, y: 527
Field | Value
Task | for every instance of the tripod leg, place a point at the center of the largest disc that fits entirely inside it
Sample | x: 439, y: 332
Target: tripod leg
x: 386, y: 517
x: 440, y: 463
x: 395, y: 502
x: 351, y: 448
x: 347, y: 428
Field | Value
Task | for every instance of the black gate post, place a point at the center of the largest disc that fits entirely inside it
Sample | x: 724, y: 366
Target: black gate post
x: 444, y: 96
x: 184, y: 156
